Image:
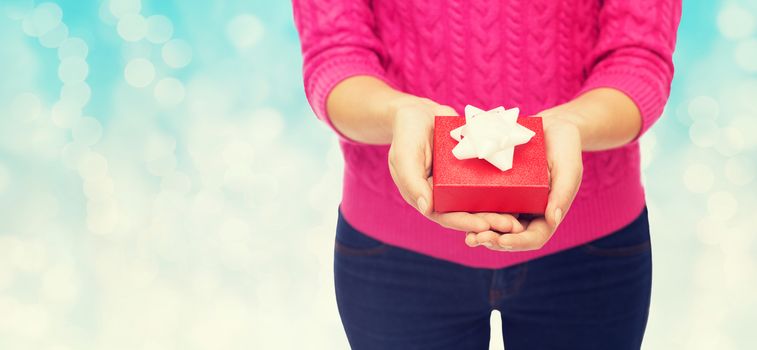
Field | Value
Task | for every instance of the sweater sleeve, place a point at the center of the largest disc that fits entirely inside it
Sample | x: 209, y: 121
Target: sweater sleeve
x: 338, y: 41
x: 634, y: 53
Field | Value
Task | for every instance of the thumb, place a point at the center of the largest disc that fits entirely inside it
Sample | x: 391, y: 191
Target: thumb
x: 444, y: 110
x: 407, y: 167
x: 566, y: 170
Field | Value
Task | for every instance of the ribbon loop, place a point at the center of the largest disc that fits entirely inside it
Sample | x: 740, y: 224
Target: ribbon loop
x: 491, y: 135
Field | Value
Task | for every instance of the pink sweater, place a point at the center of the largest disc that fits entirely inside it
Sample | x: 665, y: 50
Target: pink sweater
x: 532, y: 54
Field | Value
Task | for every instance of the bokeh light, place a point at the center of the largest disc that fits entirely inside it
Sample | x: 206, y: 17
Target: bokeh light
x: 176, y: 53
x: 169, y: 92
x: 139, y: 72
x: 132, y: 27
x: 746, y: 55
x: 73, y: 70
x: 159, y: 29
x: 73, y: 47
x: 244, y: 31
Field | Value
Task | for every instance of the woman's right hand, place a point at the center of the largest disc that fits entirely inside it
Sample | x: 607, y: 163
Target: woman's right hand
x: 410, y: 159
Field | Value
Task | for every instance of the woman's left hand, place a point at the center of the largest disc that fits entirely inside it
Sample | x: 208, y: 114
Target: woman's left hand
x: 563, y: 143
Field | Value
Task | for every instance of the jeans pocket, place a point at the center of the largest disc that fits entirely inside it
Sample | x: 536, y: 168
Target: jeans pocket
x: 351, y: 242
x: 633, y: 239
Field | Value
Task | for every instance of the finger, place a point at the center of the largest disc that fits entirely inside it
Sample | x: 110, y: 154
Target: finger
x: 502, y: 222
x: 460, y: 221
x: 445, y: 110
x: 534, y: 237
x: 566, y: 170
x: 470, y: 239
x: 490, y: 240
x: 410, y: 175
x: 487, y: 238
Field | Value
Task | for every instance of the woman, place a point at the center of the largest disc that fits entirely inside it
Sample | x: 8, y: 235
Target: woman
x: 599, y: 74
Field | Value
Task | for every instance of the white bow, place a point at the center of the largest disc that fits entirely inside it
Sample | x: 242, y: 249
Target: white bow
x: 490, y: 135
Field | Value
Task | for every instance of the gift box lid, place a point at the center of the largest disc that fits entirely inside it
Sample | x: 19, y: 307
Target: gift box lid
x: 529, y: 160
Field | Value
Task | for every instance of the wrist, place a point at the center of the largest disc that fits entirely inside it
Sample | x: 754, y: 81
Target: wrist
x: 561, y: 119
x: 394, y: 109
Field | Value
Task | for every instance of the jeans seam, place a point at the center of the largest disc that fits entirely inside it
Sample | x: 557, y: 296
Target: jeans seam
x: 494, y: 293
x: 519, y: 281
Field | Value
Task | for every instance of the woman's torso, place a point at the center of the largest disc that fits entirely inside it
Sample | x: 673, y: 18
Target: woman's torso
x: 530, y: 54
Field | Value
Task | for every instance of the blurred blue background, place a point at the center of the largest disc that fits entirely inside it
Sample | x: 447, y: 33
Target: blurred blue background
x: 164, y: 185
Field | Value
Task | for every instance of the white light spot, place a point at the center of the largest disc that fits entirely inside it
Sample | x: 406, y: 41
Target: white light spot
x: 708, y: 228
x: 159, y: 29
x: 73, y: 48
x: 45, y: 17
x: 265, y: 186
x: 169, y: 92
x: 99, y: 189
x: 158, y: 145
x: 740, y: 170
x: 46, y: 205
x: 26, y: 106
x: 105, y: 15
x: 135, y: 50
x: 176, y: 53
x: 268, y: 119
x: 132, y: 27
x: 162, y: 165
x: 28, y: 27
x: 238, y: 152
x: 703, y: 107
x: 234, y: 239
x: 139, y: 73
x: 59, y: 284
x: 176, y: 182
x: 120, y: 8
x: 73, y: 70
x: 76, y: 94
x: 7, y: 275
x: 238, y: 177
x: 704, y: 133
x: 746, y: 55
x: 73, y: 153
x: 64, y: 114
x: 735, y: 22
x: 698, y: 178
x: 747, y: 125
x: 722, y: 205
x: 28, y: 255
x: 32, y: 321
x: 54, y: 37
x: 731, y: 141
x: 244, y: 31
x: 93, y: 166
x: 18, y: 10
x: 87, y: 131
x: 102, y: 217
x: 5, y: 178
x: 47, y: 140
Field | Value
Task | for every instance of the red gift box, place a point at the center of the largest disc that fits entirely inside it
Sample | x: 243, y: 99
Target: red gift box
x: 475, y: 185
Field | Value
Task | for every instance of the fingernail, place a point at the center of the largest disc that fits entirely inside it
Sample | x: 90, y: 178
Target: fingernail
x: 422, y: 205
x: 507, y: 247
x: 487, y: 244
x: 558, y: 216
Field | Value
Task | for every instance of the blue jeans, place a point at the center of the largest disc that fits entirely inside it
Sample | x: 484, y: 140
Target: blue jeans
x: 594, y: 296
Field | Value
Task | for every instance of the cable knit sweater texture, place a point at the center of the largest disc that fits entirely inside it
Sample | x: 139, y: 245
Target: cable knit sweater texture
x: 533, y: 54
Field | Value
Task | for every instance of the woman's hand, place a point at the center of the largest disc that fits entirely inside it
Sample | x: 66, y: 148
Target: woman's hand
x: 563, y: 142
x: 410, y: 159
